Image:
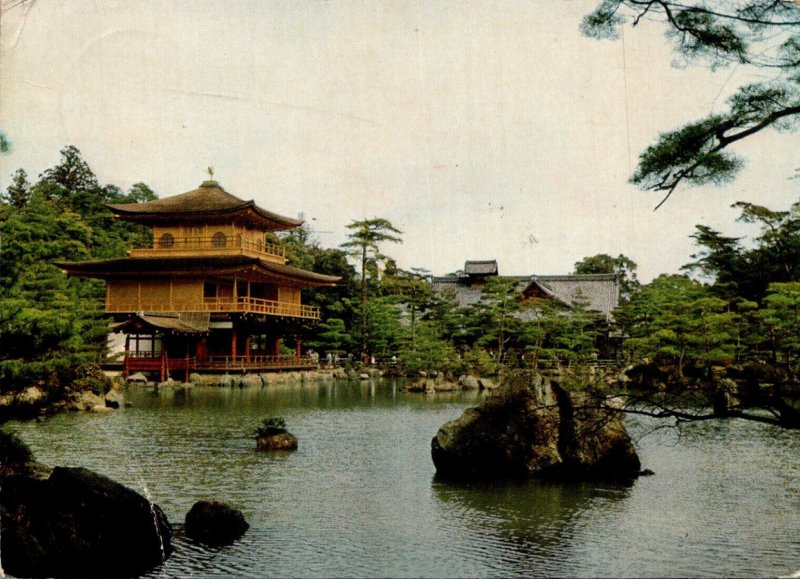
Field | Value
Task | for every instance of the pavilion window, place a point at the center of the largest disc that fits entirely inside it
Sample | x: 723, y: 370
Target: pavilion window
x: 219, y: 239
x: 167, y: 240
x: 209, y: 289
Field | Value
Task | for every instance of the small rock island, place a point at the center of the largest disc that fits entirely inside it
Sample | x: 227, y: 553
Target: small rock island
x: 532, y: 427
x: 272, y: 435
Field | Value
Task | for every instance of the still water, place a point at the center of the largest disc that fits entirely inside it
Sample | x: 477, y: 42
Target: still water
x: 359, y: 497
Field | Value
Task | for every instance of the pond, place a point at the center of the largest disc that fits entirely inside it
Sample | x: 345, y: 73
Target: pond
x: 359, y: 497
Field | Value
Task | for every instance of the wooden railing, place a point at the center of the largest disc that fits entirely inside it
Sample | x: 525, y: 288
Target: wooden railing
x: 223, y: 304
x: 251, y: 362
x: 145, y: 362
x: 261, y: 306
x: 216, y: 244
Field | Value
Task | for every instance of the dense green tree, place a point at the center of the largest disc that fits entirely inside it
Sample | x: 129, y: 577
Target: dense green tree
x: 675, y: 320
x: 18, y: 193
x: 303, y: 250
x: 49, y: 324
x: 331, y: 337
x: 72, y: 173
x: 622, y: 266
x: 411, y: 289
x: 745, y: 271
x: 300, y: 245
x: 428, y: 351
x: 780, y: 322
x: 496, y: 317
x: 363, y: 244
x: 553, y: 331
x: 761, y: 34
x: 448, y: 320
x: 52, y: 325
x: 384, y: 332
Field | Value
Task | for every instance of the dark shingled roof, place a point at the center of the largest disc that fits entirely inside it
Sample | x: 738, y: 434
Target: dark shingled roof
x: 599, y: 291
x: 183, y: 266
x: 181, y: 323
x: 207, y: 200
x: 467, y: 294
x: 486, y: 267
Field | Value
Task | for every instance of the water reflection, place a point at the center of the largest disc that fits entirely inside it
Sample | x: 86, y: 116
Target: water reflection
x: 359, y: 496
x: 528, y: 525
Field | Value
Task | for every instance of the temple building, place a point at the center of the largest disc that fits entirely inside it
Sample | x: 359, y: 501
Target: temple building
x: 213, y: 292
x: 598, y: 293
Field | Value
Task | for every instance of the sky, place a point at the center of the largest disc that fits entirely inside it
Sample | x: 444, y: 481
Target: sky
x: 482, y: 130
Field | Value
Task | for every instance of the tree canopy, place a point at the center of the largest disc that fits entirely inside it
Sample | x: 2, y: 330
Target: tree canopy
x: 762, y: 34
x: 51, y: 326
x: 622, y: 266
x: 363, y: 244
x: 745, y: 270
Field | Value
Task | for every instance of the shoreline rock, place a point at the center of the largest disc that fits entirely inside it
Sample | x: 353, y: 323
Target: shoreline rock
x: 78, y: 523
x: 214, y: 523
x: 531, y: 427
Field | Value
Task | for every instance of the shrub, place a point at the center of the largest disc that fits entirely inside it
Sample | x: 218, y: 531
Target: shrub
x: 479, y: 361
x: 271, y: 425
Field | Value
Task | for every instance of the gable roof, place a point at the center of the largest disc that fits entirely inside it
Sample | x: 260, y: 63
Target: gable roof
x: 207, y: 201
x: 485, y: 267
x: 600, y: 292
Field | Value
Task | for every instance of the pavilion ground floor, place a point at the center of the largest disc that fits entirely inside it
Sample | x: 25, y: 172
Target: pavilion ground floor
x: 174, y: 345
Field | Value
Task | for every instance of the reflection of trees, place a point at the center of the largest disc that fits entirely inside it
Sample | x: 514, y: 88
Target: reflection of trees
x: 333, y: 394
x: 528, y: 525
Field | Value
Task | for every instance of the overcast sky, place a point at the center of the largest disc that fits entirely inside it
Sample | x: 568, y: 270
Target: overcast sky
x: 482, y: 130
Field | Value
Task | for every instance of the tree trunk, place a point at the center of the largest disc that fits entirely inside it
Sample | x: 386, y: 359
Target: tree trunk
x: 364, y: 299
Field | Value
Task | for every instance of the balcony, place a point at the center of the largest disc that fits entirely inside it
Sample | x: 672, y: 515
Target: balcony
x: 224, y: 304
x: 261, y: 306
x: 219, y: 244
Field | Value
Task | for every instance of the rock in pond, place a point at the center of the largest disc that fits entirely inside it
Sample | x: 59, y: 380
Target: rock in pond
x: 276, y: 439
x: 77, y: 523
x: 113, y: 399
x: 214, y: 523
x: 469, y: 382
x: 532, y: 427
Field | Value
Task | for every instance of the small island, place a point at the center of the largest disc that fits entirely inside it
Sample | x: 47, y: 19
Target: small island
x: 272, y: 435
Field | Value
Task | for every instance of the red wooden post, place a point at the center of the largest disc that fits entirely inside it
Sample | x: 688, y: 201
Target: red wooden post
x: 298, y: 348
x: 163, y: 364
x: 233, y: 345
x: 247, y: 348
x: 125, y: 359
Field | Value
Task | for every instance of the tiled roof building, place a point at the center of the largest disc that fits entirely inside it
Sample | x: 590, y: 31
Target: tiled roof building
x: 600, y: 292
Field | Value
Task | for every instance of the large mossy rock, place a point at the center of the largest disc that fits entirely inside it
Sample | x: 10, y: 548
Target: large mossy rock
x: 214, y: 523
x: 532, y: 427
x: 77, y: 523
